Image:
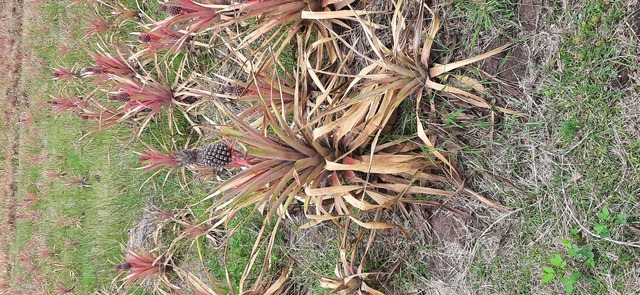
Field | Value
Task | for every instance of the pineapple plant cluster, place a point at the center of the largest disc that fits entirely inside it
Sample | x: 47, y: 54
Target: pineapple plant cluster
x: 311, y: 113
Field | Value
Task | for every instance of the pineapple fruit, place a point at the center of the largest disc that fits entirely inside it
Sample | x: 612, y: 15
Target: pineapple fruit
x: 174, y: 10
x: 144, y: 38
x: 211, y: 156
x: 169, y: 9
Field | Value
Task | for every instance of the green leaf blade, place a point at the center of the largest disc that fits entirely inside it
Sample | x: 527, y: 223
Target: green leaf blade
x: 547, y: 277
x: 556, y: 260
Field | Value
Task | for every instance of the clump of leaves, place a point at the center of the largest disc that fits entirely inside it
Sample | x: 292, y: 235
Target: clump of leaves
x: 97, y: 25
x: 569, y: 271
x: 607, y: 220
x: 155, y: 159
x: 64, y: 104
x: 350, y: 280
x: 141, y: 265
x: 314, y: 135
x: 328, y: 151
x: 61, y: 73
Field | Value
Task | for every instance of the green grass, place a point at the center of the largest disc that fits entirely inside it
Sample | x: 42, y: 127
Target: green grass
x: 94, y: 218
x: 579, y: 153
x: 82, y: 226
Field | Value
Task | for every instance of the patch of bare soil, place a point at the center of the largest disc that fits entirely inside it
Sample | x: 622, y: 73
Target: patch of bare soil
x: 621, y: 79
x: 434, y: 256
x: 10, y: 66
x: 528, y: 13
x: 510, y: 66
x: 458, y: 243
x: 451, y: 235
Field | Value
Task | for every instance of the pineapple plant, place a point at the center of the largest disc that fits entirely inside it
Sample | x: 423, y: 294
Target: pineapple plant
x: 141, y: 265
x: 214, y: 156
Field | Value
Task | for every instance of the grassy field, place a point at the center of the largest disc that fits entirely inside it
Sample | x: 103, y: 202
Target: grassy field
x: 568, y: 168
x: 75, y: 199
x: 572, y: 168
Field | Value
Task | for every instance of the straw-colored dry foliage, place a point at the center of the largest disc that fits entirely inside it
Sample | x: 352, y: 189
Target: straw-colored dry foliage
x: 277, y: 81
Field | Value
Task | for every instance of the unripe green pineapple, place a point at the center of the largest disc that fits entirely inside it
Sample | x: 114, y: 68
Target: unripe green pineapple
x: 212, y: 156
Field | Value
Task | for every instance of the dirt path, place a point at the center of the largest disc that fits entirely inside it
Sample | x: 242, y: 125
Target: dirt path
x: 11, y: 96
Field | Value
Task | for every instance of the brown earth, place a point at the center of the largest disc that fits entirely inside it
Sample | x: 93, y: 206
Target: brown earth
x: 10, y: 97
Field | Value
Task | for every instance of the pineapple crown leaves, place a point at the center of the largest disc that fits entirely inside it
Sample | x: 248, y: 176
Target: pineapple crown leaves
x: 157, y: 40
x: 60, y: 105
x: 150, y: 96
x: 155, y: 159
x: 97, y: 25
x: 64, y: 74
x: 108, y: 63
x: 87, y: 109
x: 142, y: 265
x: 192, y: 18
